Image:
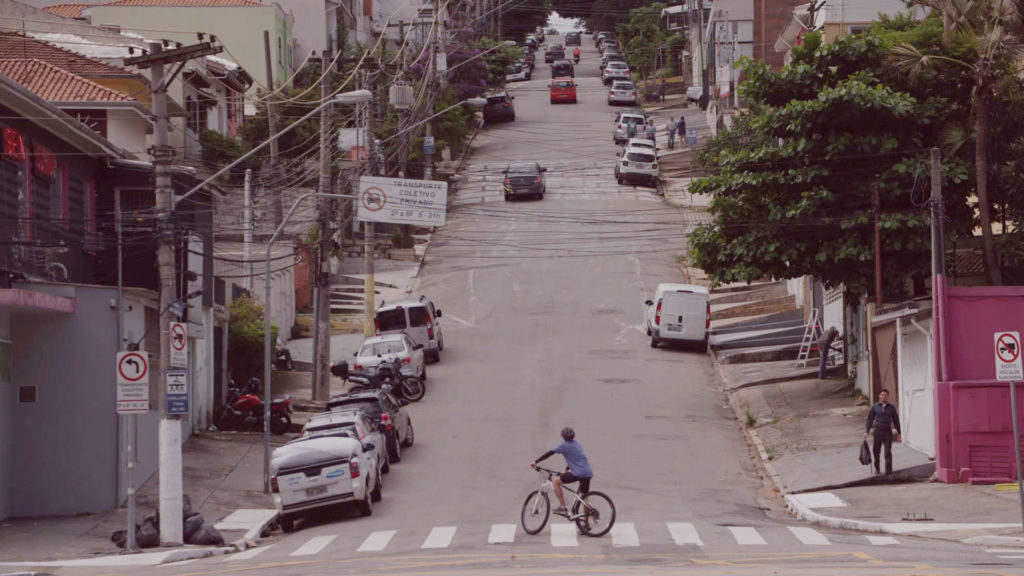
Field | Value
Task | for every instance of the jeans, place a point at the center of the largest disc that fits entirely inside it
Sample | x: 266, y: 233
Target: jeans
x: 822, y: 360
x: 883, y: 437
x: 671, y: 140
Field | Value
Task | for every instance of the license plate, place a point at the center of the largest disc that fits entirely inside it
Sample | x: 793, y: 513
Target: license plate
x: 674, y: 327
x: 316, y: 491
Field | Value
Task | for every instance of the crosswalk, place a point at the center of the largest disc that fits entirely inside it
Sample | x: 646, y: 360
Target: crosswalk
x: 564, y: 535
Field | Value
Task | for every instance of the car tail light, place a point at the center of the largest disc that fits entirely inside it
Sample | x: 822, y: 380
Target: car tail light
x: 357, y: 367
x: 407, y: 360
x: 273, y: 484
x: 506, y: 104
x: 353, y: 468
x: 385, y: 421
x: 707, y: 316
x: 655, y: 165
x: 536, y: 180
x: 376, y: 326
x: 430, y: 331
x: 633, y: 92
x: 507, y: 182
x: 657, y: 314
x: 620, y: 127
x: 625, y: 163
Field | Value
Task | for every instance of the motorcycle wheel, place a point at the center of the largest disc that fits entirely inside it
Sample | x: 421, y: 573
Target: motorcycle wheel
x: 413, y: 388
x: 279, y: 423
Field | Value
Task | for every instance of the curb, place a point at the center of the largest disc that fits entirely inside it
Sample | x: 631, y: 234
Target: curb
x: 253, y: 536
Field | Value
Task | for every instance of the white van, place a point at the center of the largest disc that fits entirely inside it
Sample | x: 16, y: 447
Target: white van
x: 679, y: 313
x: 418, y: 319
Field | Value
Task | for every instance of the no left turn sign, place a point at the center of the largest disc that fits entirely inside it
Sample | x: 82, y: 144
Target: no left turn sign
x: 1008, y: 361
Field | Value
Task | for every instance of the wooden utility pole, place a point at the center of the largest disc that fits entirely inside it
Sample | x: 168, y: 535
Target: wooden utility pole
x: 322, y: 288
x: 369, y: 283
x: 276, y: 206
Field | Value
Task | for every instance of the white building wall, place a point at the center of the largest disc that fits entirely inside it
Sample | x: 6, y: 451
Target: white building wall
x: 314, y: 29
x: 857, y: 11
x: 916, y: 385
x: 126, y: 129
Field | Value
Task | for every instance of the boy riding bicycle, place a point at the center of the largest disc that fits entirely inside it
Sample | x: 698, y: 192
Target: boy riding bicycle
x: 577, y: 467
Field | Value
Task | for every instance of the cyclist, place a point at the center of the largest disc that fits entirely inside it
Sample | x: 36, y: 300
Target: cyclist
x: 577, y: 468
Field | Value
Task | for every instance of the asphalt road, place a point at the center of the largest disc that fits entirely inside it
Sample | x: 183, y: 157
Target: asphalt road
x: 543, y: 325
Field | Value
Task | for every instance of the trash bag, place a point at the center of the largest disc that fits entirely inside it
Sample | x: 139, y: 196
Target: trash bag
x: 119, y: 538
x: 207, y: 535
x: 148, y: 536
x: 192, y: 525
x: 865, y: 453
x: 186, y: 506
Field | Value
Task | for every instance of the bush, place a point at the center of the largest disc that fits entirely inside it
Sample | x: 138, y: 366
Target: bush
x: 219, y: 149
x: 245, y: 339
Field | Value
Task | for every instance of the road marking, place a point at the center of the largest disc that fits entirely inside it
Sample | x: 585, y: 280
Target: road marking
x: 502, y: 534
x: 439, y: 537
x: 314, y: 546
x: 1005, y: 552
x: 809, y: 536
x: 250, y: 553
x: 881, y: 540
x: 746, y: 535
x: 624, y: 534
x: 684, y: 533
x: 376, y: 541
x: 563, y: 535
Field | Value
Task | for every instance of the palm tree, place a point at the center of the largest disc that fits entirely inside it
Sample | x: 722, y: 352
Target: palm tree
x: 991, y: 30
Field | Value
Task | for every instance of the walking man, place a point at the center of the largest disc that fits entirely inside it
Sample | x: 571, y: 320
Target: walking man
x: 883, y: 417
x: 630, y: 129
x: 670, y: 128
x: 681, y: 129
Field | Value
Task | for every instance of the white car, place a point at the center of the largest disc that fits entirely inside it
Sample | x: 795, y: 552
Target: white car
x: 323, y: 470
x: 516, y: 73
x: 615, y: 70
x: 388, y: 347
x: 621, y: 134
x: 637, y: 163
x: 642, y: 143
x: 679, y: 313
x: 622, y: 92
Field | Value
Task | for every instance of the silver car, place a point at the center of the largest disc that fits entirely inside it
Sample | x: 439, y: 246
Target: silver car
x: 615, y: 70
x: 379, y: 349
x: 622, y: 93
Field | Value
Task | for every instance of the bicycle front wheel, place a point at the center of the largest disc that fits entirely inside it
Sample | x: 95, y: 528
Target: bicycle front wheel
x: 598, y: 515
x: 535, y: 512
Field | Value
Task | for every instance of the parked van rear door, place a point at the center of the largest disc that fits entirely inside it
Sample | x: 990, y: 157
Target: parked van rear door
x: 682, y: 316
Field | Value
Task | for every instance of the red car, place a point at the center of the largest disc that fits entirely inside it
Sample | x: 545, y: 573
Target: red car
x: 563, y: 90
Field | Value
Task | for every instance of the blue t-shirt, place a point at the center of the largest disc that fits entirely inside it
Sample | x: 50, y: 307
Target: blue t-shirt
x: 574, y: 458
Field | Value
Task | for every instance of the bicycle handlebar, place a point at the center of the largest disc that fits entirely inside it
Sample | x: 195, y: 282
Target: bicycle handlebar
x: 549, y: 471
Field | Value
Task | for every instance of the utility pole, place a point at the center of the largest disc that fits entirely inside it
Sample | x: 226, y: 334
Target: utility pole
x: 428, y: 159
x: 877, y: 203
x: 247, y: 228
x: 276, y: 206
x: 369, y: 283
x: 322, y: 337
x: 170, y: 427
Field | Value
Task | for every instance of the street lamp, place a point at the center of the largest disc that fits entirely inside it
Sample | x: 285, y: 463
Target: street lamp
x: 491, y: 49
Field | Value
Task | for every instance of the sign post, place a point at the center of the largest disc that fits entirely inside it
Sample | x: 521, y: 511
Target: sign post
x: 132, y: 383
x: 1009, y: 369
x: 179, y: 345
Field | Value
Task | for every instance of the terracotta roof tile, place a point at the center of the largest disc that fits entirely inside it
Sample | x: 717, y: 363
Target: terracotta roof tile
x: 67, y: 10
x: 186, y: 3
x: 15, y: 45
x: 55, y: 84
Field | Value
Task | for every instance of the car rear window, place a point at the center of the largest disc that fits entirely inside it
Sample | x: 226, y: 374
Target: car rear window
x: 340, y: 428
x: 382, y: 348
x: 369, y: 405
x: 636, y: 119
x: 393, y: 319
x: 563, y: 84
x: 418, y: 316
x: 639, y: 157
x: 495, y: 99
x: 617, y: 65
x: 521, y: 169
x: 622, y: 86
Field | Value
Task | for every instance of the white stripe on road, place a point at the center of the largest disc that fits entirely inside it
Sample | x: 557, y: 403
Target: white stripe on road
x: 881, y: 540
x: 314, y: 546
x: 809, y: 536
x: 563, y: 535
x: 684, y: 533
x: 746, y: 535
x: 439, y: 537
x: 624, y: 534
x: 502, y: 534
x: 250, y: 553
x: 376, y: 541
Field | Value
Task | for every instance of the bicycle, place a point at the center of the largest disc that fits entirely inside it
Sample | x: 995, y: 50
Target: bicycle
x: 593, y: 513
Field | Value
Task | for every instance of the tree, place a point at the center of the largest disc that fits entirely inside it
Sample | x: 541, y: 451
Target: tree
x: 245, y: 339
x: 991, y: 29
x: 792, y: 183
x: 642, y: 37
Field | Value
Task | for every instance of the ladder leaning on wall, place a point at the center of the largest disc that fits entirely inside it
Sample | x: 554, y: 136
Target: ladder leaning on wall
x: 811, y: 333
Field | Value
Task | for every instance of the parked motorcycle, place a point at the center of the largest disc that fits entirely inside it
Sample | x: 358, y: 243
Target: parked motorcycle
x: 388, y: 377
x: 244, y: 409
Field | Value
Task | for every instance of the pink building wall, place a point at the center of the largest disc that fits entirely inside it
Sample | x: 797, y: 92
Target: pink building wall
x: 973, y: 423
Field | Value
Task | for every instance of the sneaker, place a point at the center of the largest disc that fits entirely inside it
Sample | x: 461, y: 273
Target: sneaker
x: 560, y: 511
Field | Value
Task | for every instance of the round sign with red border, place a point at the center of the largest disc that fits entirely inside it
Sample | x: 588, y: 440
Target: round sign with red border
x: 374, y: 199
x: 178, y: 337
x: 132, y: 367
x: 1007, y: 348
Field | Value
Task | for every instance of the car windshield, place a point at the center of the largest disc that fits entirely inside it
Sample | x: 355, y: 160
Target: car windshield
x: 563, y: 84
x: 640, y: 157
x: 522, y: 169
x: 617, y: 65
x: 388, y: 320
x: 382, y: 347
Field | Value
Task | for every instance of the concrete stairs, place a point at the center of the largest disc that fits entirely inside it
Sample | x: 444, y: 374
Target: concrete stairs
x: 756, y: 323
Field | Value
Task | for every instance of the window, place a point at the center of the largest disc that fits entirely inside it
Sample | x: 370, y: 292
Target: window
x: 391, y: 320
x: 640, y: 157
x: 418, y: 316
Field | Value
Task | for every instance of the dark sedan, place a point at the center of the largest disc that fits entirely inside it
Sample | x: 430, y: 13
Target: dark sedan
x: 524, y: 179
x: 385, y: 409
x: 499, y: 107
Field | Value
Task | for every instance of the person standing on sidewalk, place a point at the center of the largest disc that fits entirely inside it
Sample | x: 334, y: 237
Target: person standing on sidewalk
x: 670, y: 128
x: 681, y: 129
x: 824, y: 345
x: 883, y: 417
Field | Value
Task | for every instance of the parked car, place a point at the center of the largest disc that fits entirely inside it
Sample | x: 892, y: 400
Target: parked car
x: 523, y: 179
x: 554, y: 52
x: 637, y: 163
x: 499, y: 107
x: 609, y: 44
x: 515, y: 73
x: 620, y: 135
x: 679, y: 313
x: 573, y: 39
x: 693, y: 93
x: 610, y: 56
x: 527, y: 68
x: 622, y: 92
x: 615, y: 70
x: 637, y: 111
x: 326, y: 469
x: 356, y: 424
x: 552, y: 32
x: 562, y: 90
x: 379, y: 349
x: 528, y: 56
x: 561, y: 68
x: 601, y: 37
x: 418, y: 319
x: 643, y: 143
x: 387, y: 410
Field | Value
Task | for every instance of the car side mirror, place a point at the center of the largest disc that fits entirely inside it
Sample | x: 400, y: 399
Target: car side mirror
x: 648, y: 303
x: 549, y: 85
x: 367, y: 447
x: 543, y: 169
x: 437, y: 313
x: 618, y: 154
x: 356, y: 353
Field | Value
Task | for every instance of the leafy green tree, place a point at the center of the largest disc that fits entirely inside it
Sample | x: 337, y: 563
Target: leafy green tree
x: 245, y: 339
x: 642, y: 36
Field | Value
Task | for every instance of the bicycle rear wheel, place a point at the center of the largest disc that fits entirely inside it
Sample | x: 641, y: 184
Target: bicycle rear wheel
x: 535, y: 512
x: 598, y: 517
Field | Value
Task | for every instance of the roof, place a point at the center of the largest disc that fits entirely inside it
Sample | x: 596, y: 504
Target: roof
x: 55, y: 84
x: 67, y: 10
x: 15, y: 45
x: 187, y: 3
x: 667, y: 287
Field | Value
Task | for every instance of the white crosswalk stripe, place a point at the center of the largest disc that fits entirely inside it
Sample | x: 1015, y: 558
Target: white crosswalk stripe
x: 563, y: 536
x: 502, y: 534
x: 376, y: 541
x: 624, y: 534
x: 1006, y: 552
x: 439, y: 537
x: 881, y: 540
x: 746, y: 535
x: 249, y: 554
x: 809, y: 536
x: 314, y: 546
x: 684, y: 533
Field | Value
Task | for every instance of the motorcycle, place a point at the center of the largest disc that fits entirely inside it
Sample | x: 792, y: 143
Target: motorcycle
x: 388, y: 377
x: 244, y: 409
x: 576, y: 58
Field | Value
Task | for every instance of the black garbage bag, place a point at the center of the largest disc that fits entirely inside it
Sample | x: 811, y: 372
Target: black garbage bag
x: 206, y: 535
x: 153, y: 518
x: 192, y: 525
x: 120, y: 538
x: 148, y: 536
x: 865, y: 454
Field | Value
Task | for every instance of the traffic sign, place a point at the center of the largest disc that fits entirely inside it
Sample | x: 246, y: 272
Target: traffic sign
x: 428, y: 145
x: 132, y: 382
x: 179, y: 345
x: 1008, y: 361
x: 176, y: 386
x: 402, y: 201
